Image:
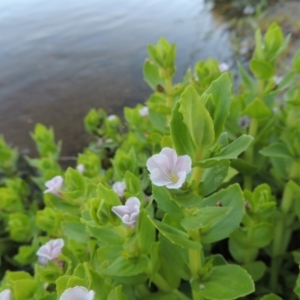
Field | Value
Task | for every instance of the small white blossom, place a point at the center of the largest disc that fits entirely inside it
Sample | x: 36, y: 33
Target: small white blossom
x: 169, y: 169
x: 129, y: 212
x: 223, y: 67
x: 80, y: 168
x: 277, y: 79
x: 119, y: 187
x: 144, y: 111
x: 111, y: 117
x: 5, y: 295
x: 54, y: 185
x: 50, y: 251
x: 244, y: 122
x: 249, y: 10
x: 77, y: 293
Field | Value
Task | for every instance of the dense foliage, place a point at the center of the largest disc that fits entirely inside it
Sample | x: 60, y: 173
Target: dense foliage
x: 194, y: 196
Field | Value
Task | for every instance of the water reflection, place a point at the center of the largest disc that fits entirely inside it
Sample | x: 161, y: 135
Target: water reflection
x: 60, y: 58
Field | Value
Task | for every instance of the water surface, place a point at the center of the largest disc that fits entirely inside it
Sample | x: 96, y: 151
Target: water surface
x: 60, y: 58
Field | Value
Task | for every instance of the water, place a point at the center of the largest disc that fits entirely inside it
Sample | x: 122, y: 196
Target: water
x: 60, y: 58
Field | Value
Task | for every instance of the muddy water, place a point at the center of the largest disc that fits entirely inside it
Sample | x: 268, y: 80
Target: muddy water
x: 60, y: 58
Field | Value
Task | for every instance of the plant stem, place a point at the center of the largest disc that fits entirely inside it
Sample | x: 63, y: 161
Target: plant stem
x: 169, y: 98
x: 249, y: 153
x: 196, y: 262
x: 280, y: 242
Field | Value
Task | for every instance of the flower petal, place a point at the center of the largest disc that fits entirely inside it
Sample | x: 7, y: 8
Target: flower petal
x: 184, y: 163
x: 50, y: 250
x: 180, y: 181
x: 119, y: 188
x: 159, y: 178
x: 5, y: 295
x: 90, y: 295
x: 120, y: 210
x: 77, y: 293
x: 158, y: 161
x: 171, y: 154
x: 132, y: 202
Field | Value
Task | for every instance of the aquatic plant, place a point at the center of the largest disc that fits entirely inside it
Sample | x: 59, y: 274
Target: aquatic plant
x: 195, y: 196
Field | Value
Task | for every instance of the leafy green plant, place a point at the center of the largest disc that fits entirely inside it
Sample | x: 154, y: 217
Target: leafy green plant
x: 194, y: 198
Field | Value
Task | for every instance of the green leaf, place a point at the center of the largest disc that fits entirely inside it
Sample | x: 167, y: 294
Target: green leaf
x: 296, y: 61
x: 257, y: 109
x: 99, y: 285
x: 256, y: 269
x: 75, y: 183
x: 151, y: 75
x: 133, y: 186
x: 44, y: 139
x: 231, y: 197
x: 297, y: 287
x: 248, y: 81
x: 276, y: 150
x: 175, y: 257
x: 146, y: 233
x: 75, y: 231
x: 176, y: 236
x: 262, y: 69
x: 227, y: 282
x: 213, y: 177
x: 220, y: 89
x: 108, y: 196
x: 25, y: 289
x: 271, y: 297
x: 163, y: 198
x: 126, y: 267
x: 273, y: 39
x: 204, y: 216
x: 117, y: 294
x: 106, y: 234
x: 180, y: 135
x: 232, y: 151
x: 196, y: 118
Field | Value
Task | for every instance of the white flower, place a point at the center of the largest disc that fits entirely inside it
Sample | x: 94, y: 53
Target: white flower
x: 77, y: 293
x: 50, y: 251
x: 111, y: 117
x: 277, y: 79
x: 169, y: 169
x: 80, y: 168
x: 54, y: 185
x: 5, y: 295
x: 129, y: 212
x: 223, y: 67
x: 119, y: 187
x: 249, y: 10
x: 144, y: 111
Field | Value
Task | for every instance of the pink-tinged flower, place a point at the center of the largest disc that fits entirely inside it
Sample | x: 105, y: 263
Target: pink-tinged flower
x: 129, y: 212
x: 223, y: 67
x: 169, y: 169
x: 144, y: 111
x: 54, y: 185
x: 119, y: 188
x: 80, y: 168
x: 5, y: 295
x: 77, y: 293
x: 50, y: 251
